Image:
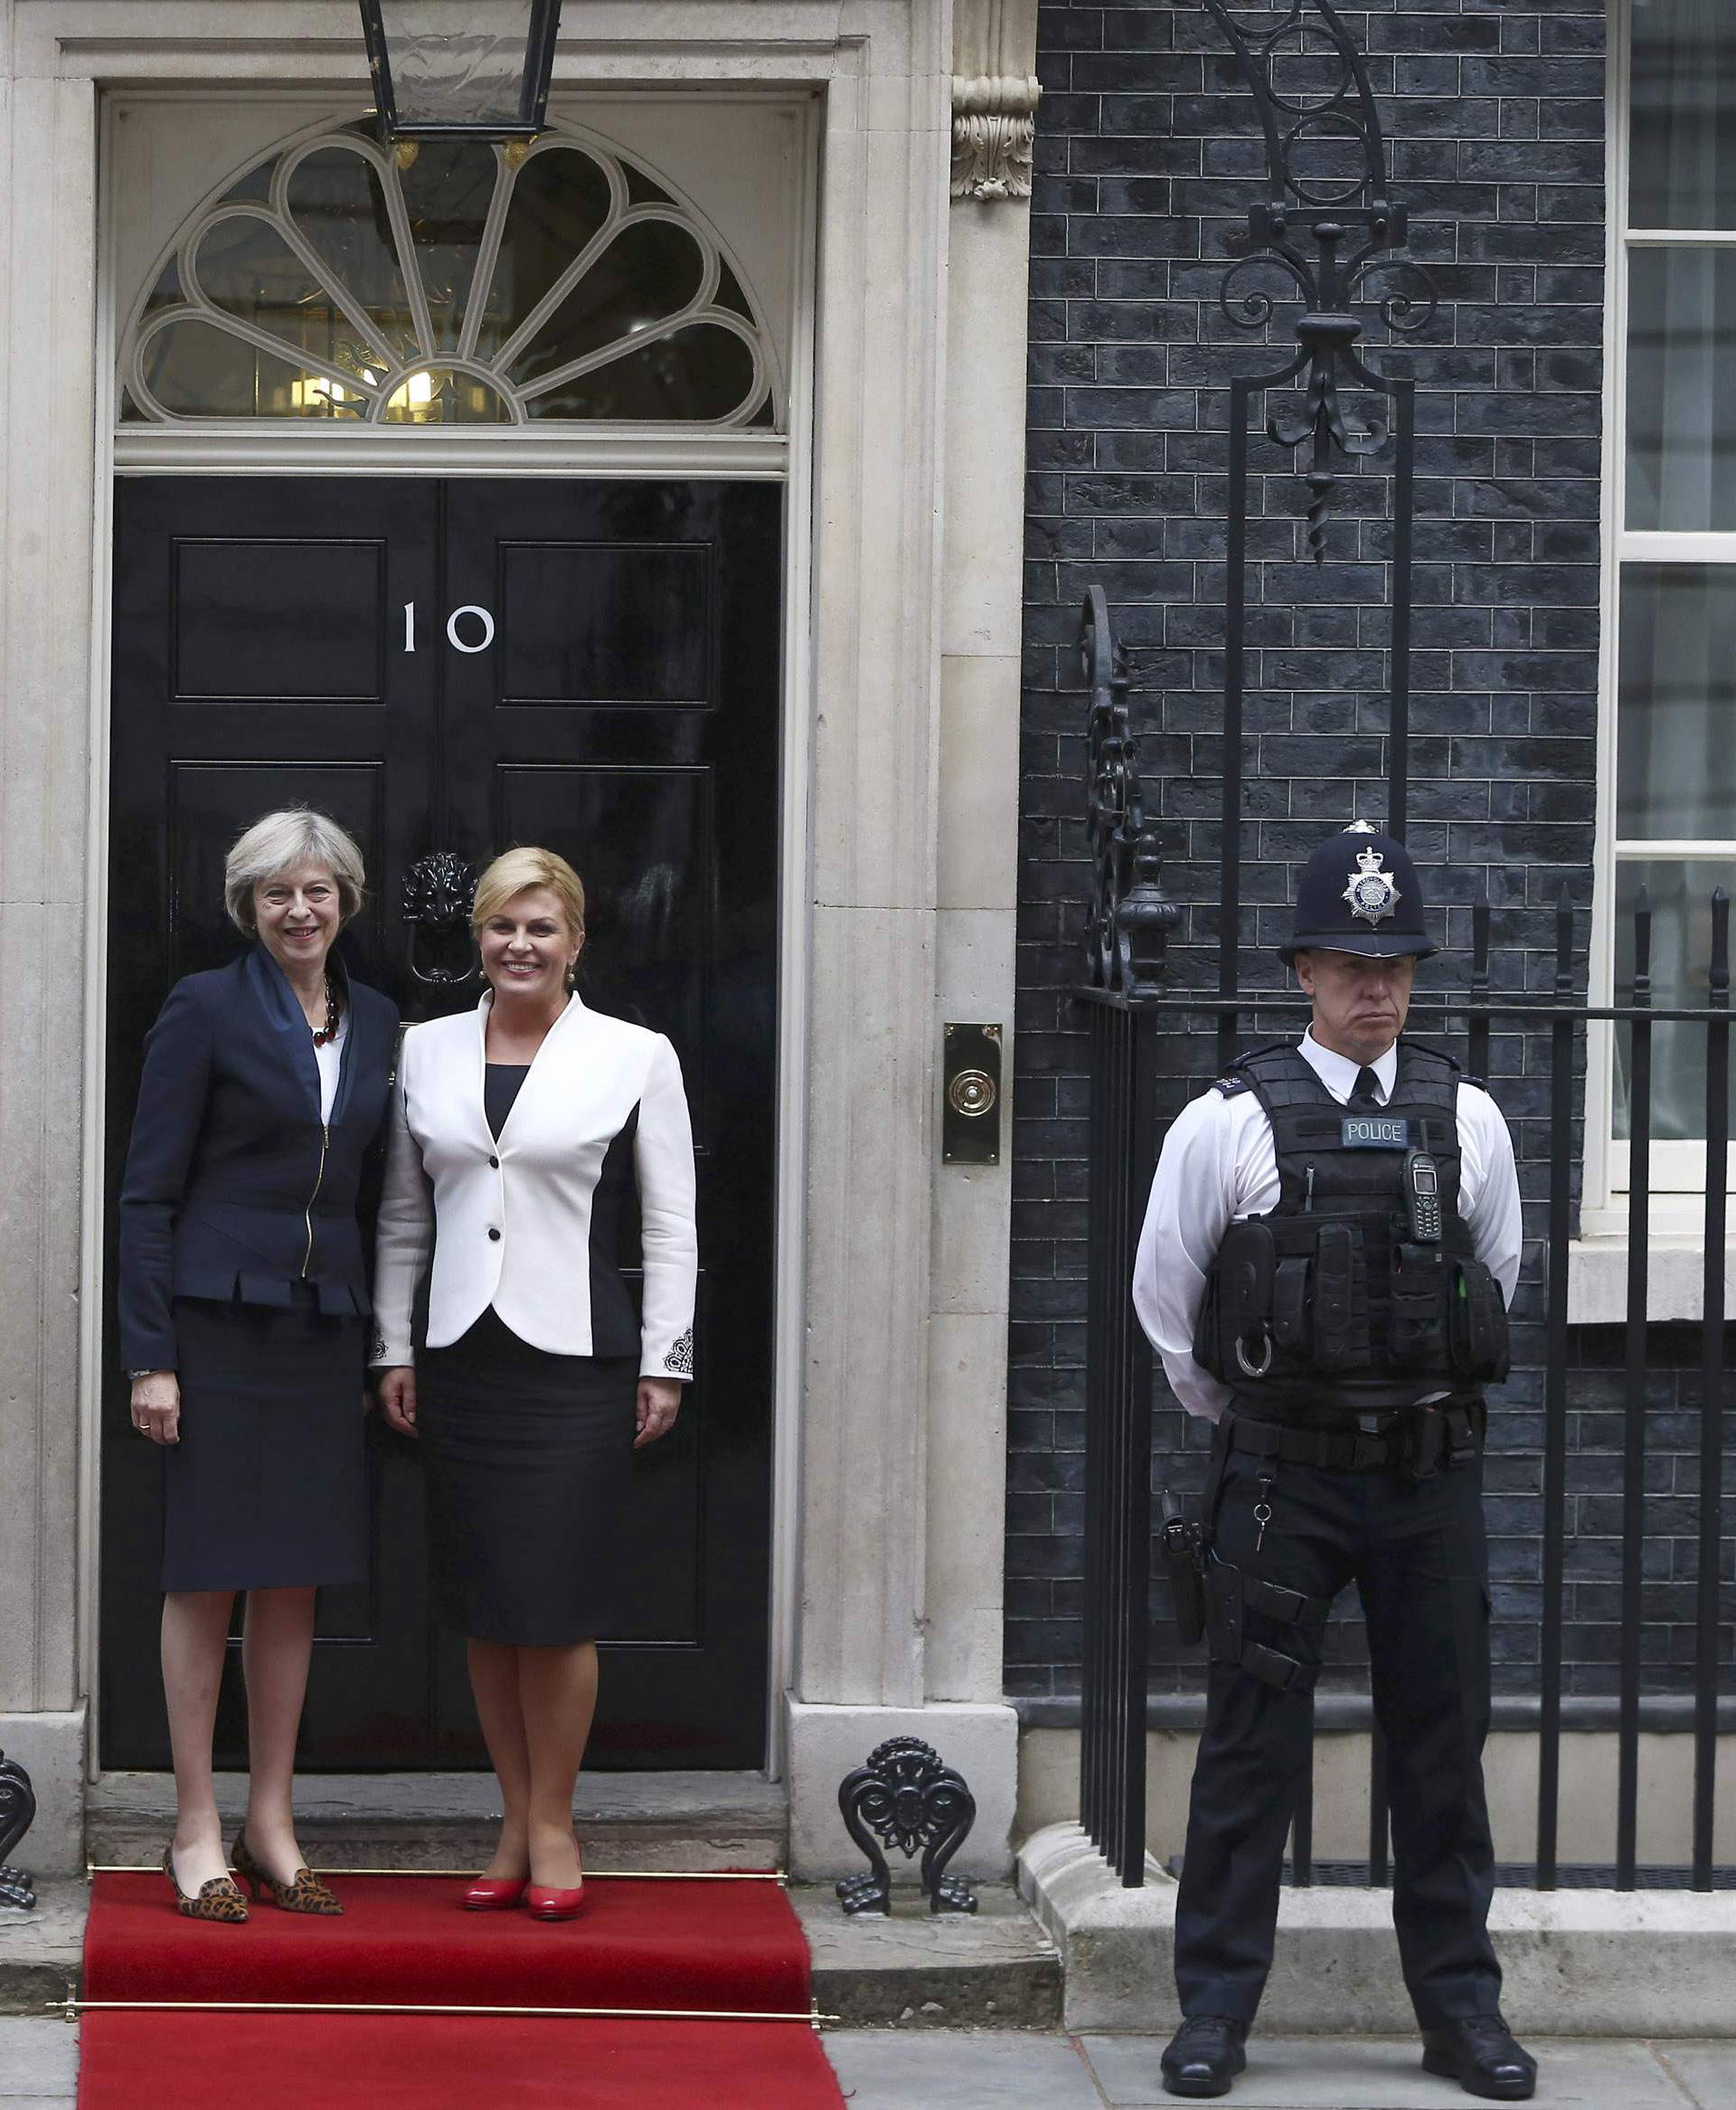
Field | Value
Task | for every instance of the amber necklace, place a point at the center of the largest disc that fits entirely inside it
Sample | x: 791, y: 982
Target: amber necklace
x: 328, y: 1032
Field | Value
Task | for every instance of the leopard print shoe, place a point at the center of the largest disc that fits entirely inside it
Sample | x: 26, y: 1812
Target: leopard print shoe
x: 305, y: 1893
x: 217, y: 1900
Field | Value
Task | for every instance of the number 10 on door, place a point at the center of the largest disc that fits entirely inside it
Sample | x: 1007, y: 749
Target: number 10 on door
x: 458, y: 644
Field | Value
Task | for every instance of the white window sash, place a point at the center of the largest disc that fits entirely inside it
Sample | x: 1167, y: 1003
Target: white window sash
x: 1678, y: 1169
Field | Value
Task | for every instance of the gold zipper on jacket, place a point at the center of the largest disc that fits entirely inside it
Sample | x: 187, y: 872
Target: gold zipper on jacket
x: 319, y: 1181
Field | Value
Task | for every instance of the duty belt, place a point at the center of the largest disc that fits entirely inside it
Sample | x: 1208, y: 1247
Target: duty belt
x: 1416, y: 1440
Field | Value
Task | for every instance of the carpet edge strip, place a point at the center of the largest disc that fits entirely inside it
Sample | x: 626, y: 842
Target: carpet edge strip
x: 72, y: 2007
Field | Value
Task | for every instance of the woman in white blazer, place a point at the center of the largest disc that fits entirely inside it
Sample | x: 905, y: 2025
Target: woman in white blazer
x: 518, y: 1131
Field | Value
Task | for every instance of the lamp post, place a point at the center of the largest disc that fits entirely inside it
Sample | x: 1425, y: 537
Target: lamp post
x: 460, y: 69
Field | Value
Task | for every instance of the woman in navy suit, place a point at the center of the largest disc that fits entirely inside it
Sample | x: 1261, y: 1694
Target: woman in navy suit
x: 243, y: 1304
x: 520, y: 1133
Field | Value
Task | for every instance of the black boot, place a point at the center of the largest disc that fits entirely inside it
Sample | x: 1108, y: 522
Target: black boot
x: 1484, y: 2057
x: 1204, y: 2055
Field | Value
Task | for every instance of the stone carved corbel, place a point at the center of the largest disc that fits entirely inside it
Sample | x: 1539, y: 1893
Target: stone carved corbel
x: 995, y: 94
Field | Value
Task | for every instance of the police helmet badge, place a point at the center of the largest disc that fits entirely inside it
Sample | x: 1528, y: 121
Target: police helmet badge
x: 1373, y: 893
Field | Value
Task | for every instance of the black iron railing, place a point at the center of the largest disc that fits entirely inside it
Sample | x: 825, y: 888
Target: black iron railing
x: 1128, y: 1006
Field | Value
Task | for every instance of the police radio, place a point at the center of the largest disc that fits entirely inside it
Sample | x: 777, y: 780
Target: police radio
x: 1421, y: 1183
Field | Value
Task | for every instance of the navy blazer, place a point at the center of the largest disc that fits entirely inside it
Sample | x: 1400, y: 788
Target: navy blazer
x: 234, y: 1188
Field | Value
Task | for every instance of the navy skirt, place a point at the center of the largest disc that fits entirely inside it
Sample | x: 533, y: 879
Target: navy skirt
x: 529, y: 1460
x: 267, y: 1486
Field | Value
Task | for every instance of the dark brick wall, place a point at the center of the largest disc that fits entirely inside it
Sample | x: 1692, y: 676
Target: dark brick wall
x: 1148, y: 160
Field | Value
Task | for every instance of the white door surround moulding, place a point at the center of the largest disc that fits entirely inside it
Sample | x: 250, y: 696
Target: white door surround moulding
x: 220, y: 448
x: 860, y: 774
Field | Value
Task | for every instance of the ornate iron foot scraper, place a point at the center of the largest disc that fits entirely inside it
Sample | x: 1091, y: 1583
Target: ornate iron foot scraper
x: 907, y: 1798
x: 17, y: 1813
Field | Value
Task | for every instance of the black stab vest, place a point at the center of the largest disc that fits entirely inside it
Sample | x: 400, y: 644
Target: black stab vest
x: 1308, y: 1290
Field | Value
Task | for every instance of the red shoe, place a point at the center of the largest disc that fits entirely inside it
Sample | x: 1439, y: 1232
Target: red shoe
x: 550, y: 1904
x: 547, y: 1903
x: 495, y: 1893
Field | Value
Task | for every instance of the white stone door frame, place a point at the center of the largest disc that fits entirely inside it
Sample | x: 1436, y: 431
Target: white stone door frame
x: 891, y: 1607
x: 235, y: 448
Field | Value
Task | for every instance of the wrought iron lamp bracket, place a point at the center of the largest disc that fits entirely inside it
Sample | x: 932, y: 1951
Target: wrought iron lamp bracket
x: 1327, y: 230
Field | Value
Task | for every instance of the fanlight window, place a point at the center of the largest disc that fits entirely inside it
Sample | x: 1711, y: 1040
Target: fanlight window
x: 480, y: 285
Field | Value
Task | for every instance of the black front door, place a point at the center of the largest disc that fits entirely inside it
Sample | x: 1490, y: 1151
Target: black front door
x: 463, y: 665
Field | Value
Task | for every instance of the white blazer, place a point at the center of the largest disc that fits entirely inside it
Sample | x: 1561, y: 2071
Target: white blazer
x: 526, y: 1224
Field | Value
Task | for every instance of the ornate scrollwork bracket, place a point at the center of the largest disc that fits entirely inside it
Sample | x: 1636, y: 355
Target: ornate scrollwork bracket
x: 1129, y: 917
x: 1329, y: 226
x: 17, y: 1813
x: 438, y: 892
x: 905, y: 1797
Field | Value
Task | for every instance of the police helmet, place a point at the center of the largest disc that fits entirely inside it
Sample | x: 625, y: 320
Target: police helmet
x: 1359, y: 893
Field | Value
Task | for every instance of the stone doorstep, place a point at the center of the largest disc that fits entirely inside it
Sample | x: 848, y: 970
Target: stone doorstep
x: 994, y: 1969
x: 653, y: 1822
x: 1652, y: 1964
x: 42, y: 1953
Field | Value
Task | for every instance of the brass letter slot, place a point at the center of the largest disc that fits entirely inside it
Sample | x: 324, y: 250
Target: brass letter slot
x: 970, y: 1107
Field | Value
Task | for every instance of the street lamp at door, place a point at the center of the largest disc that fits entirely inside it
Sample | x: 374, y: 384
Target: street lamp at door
x: 464, y: 69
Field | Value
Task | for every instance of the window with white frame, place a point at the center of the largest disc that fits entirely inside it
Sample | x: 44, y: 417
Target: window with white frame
x: 1673, y: 471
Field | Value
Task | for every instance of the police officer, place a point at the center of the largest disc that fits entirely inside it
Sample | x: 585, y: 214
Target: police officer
x: 1331, y: 1242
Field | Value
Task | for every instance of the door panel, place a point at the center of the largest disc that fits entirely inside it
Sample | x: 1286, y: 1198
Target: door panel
x: 306, y: 620
x: 647, y: 642
x: 622, y: 740
x: 286, y: 640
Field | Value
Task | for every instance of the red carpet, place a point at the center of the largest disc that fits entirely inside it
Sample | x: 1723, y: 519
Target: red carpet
x: 722, y: 1947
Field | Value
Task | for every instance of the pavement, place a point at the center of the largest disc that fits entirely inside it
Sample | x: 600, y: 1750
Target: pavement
x: 1009, y: 2069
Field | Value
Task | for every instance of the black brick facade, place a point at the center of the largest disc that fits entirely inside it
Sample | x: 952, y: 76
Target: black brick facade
x: 1147, y: 159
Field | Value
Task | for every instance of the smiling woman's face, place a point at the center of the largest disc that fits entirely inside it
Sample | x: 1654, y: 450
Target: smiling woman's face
x: 528, y: 945
x: 299, y: 914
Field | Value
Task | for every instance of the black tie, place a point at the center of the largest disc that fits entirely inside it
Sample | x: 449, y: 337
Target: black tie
x: 1366, y: 1090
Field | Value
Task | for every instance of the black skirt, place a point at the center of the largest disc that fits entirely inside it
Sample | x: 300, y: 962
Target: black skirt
x: 529, y: 1458
x: 267, y: 1486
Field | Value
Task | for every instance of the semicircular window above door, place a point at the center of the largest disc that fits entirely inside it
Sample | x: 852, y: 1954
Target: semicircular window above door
x: 476, y: 286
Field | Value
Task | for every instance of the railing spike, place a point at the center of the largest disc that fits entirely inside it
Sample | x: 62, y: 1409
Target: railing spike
x: 1643, y: 947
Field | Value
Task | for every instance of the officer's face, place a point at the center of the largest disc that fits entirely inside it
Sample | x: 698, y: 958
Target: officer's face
x: 1359, y: 1003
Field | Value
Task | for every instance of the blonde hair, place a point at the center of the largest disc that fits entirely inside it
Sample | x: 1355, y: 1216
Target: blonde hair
x: 286, y: 841
x: 515, y: 871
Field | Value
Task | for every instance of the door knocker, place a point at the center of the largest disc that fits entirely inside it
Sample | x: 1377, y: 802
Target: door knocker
x: 438, y: 892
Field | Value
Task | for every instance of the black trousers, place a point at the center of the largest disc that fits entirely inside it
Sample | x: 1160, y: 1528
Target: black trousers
x: 1418, y: 1557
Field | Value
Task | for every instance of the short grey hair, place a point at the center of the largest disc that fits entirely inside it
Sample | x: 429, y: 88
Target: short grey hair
x: 285, y: 841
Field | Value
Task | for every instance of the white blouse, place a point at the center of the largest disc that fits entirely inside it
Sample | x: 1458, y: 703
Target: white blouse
x: 329, y: 1055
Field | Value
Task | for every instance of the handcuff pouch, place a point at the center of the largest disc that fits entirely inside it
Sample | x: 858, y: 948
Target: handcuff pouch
x: 1234, y: 1339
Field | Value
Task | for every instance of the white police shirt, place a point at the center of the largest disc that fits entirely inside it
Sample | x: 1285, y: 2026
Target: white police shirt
x: 1218, y: 1164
